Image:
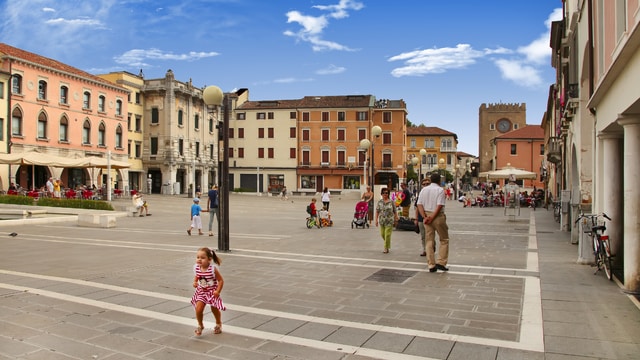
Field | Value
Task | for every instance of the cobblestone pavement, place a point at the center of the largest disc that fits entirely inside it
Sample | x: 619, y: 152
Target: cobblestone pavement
x: 514, y: 290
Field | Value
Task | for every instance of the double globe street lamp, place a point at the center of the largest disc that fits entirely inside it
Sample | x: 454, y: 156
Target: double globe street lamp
x: 415, y: 161
x: 214, y: 98
x: 376, y: 131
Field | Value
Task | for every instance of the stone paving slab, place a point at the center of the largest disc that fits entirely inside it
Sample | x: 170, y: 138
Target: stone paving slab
x: 302, y: 293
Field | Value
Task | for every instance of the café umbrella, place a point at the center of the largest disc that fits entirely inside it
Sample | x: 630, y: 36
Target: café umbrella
x: 507, y: 173
x: 34, y: 158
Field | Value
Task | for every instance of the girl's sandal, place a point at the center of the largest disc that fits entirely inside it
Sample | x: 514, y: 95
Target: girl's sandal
x: 217, y: 329
x: 198, y: 330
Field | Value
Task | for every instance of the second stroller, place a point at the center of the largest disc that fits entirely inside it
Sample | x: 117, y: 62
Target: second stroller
x: 360, y: 215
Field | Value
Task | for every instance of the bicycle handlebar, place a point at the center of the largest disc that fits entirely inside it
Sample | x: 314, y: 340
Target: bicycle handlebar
x: 591, y: 216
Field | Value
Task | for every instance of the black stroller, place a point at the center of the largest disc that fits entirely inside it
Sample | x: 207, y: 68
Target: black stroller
x: 360, y: 216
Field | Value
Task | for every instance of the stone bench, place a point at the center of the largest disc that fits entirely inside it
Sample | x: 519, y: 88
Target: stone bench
x: 97, y: 220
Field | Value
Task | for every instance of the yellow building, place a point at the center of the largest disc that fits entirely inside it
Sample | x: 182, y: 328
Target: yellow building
x: 435, y: 147
x: 135, y: 84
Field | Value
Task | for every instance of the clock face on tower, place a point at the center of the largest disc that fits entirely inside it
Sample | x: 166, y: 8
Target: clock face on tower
x: 504, y: 125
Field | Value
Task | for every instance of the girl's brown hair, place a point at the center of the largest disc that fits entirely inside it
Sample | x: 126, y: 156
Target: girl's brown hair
x: 211, y: 255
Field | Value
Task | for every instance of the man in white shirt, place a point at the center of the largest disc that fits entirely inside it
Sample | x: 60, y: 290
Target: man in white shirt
x: 431, y: 202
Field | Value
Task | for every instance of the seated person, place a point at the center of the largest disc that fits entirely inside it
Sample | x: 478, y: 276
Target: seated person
x: 325, y: 217
x: 463, y: 199
x: 140, y: 204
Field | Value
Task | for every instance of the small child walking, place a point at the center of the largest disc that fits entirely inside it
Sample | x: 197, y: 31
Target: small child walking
x: 196, y: 221
x: 208, y: 283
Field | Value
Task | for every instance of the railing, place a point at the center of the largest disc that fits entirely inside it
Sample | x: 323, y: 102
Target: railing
x: 448, y: 149
x: 554, y: 151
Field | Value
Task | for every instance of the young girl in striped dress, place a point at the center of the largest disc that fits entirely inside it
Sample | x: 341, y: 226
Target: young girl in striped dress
x: 208, y: 283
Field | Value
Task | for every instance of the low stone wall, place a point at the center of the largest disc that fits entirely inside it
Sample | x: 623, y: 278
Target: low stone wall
x: 97, y: 220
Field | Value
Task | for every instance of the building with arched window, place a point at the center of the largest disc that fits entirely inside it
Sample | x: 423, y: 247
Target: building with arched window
x: 59, y: 111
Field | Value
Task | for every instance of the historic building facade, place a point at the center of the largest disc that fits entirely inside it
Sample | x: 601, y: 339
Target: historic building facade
x: 62, y: 112
x: 135, y: 136
x: 593, y: 119
x: 315, y: 142
x: 438, y: 144
x: 180, y: 137
x: 495, y: 120
x: 522, y: 149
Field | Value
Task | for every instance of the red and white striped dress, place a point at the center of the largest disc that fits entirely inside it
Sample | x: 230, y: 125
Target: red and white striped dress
x: 207, y: 284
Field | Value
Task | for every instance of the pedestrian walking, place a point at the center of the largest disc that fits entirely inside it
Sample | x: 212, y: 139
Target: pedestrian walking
x: 419, y: 220
x: 431, y: 204
x: 386, y: 218
x: 196, y: 222
x: 208, y: 284
x: 326, y: 198
x: 213, y: 205
x: 368, y: 197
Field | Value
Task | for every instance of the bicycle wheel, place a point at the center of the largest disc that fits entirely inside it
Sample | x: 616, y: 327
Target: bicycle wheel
x: 606, y: 257
x: 310, y: 223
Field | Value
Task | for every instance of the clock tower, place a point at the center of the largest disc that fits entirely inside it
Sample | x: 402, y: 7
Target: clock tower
x: 495, y: 120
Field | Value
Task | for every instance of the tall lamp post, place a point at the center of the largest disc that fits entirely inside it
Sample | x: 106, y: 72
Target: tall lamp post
x: 214, y: 98
x: 441, y: 166
x: 366, y: 144
x: 423, y: 153
x: 455, y: 187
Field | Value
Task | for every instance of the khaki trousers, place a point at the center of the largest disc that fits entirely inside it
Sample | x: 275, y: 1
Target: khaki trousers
x: 439, y: 225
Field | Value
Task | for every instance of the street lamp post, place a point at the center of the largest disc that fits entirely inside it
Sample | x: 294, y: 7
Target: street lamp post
x: 455, y: 188
x: 423, y: 153
x: 414, y: 162
x: 366, y: 144
x: 214, y: 97
x: 441, y: 166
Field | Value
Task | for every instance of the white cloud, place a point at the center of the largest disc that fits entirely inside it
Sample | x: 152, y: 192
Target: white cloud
x: 48, y: 9
x: 137, y: 57
x: 519, y: 72
x: 538, y: 51
x: 313, y: 26
x: 436, y: 60
x: 340, y: 11
x: 524, y: 69
x: 331, y: 70
x: 75, y: 22
x: 310, y: 24
x: 291, y: 80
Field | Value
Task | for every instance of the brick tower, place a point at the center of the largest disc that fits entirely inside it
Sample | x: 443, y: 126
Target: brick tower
x: 495, y: 120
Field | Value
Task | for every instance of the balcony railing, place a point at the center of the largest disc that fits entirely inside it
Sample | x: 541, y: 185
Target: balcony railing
x: 448, y: 149
x: 554, y: 151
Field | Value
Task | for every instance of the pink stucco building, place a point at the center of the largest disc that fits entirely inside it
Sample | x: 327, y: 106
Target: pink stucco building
x: 63, y: 112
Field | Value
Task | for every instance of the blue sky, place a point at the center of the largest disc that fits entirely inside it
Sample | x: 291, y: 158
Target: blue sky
x: 444, y: 58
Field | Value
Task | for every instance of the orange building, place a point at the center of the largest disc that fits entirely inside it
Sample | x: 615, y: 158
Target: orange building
x: 522, y: 149
x: 323, y: 135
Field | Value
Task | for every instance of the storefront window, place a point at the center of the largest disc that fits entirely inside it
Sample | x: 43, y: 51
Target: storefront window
x: 308, y: 182
x: 351, y: 182
x: 276, y: 182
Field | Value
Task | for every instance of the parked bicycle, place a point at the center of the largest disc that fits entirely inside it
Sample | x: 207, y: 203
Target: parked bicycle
x: 595, y: 225
x: 556, y: 211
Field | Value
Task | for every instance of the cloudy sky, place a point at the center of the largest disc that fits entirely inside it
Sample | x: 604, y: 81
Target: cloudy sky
x: 444, y: 58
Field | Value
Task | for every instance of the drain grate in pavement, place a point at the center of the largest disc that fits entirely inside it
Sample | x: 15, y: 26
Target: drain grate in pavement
x: 391, y: 275
x: 545, y: 232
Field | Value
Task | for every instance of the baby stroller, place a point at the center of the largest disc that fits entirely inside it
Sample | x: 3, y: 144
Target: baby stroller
x: 360, y: 216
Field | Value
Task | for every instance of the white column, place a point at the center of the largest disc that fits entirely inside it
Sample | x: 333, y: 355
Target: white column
x: 631, y: 196
x: 611, y: 174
